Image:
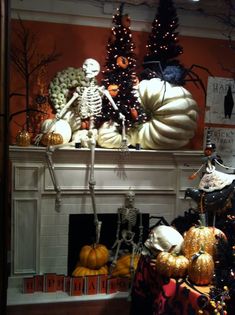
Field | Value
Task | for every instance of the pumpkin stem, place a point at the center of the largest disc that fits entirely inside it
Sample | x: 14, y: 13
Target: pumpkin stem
x: 171, y: 249
x: 202, y: 219
x: 201, y: 222
x: 199, y: 253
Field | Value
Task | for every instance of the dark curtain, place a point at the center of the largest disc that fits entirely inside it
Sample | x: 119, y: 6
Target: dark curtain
x: 4, y: 193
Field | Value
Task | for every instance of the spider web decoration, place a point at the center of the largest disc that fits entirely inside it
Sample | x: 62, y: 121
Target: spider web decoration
x: 120, y: 73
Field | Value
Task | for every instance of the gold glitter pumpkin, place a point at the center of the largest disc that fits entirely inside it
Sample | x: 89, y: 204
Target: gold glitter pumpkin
x: 201, y: 268
x: 196, y: 238
x: 51, y: 138
x: 23, y: 138
x: 171, y: 265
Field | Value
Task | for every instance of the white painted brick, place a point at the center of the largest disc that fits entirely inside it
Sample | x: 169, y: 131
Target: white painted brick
x: 59, y: 240
x: 53, y: 251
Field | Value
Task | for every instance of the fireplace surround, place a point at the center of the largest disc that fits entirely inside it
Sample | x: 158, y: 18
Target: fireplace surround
x: 40, y: 234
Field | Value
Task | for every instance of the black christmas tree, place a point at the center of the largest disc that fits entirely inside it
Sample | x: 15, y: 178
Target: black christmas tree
x: 119, y: 75
x: 162, y: 46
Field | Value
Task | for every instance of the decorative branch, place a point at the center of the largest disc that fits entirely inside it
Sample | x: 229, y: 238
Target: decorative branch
x: 23, y: 56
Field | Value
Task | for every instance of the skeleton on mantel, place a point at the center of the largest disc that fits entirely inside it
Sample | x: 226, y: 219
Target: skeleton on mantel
x: 89, y: 104
x: 86, y: 102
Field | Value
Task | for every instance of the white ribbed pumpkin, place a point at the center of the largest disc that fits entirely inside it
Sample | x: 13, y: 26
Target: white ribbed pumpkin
x: 109, y: 136
x: 61, y: 126
x: 173, y: 116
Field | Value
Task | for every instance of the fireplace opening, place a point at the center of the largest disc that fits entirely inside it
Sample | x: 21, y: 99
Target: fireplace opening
x: 82, y: 232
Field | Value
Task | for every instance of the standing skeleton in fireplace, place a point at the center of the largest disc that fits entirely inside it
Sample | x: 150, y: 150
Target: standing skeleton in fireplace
x: 127, y: 220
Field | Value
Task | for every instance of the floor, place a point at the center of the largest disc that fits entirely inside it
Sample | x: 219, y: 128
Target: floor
x: 98, y: 307
x: 61, y: 303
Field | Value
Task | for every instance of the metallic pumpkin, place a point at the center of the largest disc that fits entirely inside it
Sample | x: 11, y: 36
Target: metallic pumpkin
x: 171, y: 265
x: 23, y: 138
x: 51, y: 138
x: 201, y: 268
x: 196, y: 238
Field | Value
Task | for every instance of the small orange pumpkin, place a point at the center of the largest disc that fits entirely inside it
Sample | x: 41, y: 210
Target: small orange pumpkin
x: 201, y: 268
x: 122, y: 62
x: 122, y: 268
x: 23, y: 138
x: 84, y: 271
x: 134, y: 113
x: 85, y: 124
x: 51, y: 138
x: 113, y: 90
x: 135, y: 80
x: 94, y: 256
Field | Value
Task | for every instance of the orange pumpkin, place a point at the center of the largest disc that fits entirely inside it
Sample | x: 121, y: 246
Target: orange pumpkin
x: 201, y: 268
x: 122, y: 268
x: 135, y: 80
x: 94, y: 256
x: 196, y: 237
x: 171, y: 265
x: 113, y: 90
x: 122, y: 62
x: 85, y: 124
x: 84, y: 271
x: 134, y: 113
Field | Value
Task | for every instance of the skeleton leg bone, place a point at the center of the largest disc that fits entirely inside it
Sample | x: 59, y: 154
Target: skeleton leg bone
x: 53, y: 178
x: 92, y: 192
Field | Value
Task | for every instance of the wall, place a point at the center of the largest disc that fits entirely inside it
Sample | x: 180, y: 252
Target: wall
x: 77, y: 42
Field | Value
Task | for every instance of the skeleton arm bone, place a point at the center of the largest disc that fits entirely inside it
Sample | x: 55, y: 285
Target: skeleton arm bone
x: 67, y: 106
x: 121, y: 116
x: 109, y: 97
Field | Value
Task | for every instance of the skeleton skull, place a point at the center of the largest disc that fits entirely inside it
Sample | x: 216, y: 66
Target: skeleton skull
x: 91, y: 68
x: 164, y: 238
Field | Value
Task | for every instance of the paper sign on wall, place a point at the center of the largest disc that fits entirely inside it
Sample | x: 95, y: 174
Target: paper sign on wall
x: 220, y: 101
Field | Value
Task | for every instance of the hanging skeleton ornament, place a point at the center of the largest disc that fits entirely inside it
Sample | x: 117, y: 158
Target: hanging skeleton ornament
x: 127, y: 220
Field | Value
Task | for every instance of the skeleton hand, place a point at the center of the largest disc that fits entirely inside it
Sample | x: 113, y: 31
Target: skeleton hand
x: 122, y: 117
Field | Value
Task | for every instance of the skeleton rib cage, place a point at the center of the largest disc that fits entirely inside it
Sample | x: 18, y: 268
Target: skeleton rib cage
x: 89, y: 101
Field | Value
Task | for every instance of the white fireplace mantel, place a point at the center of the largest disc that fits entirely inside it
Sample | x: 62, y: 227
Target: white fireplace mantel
x: 40, y: 234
